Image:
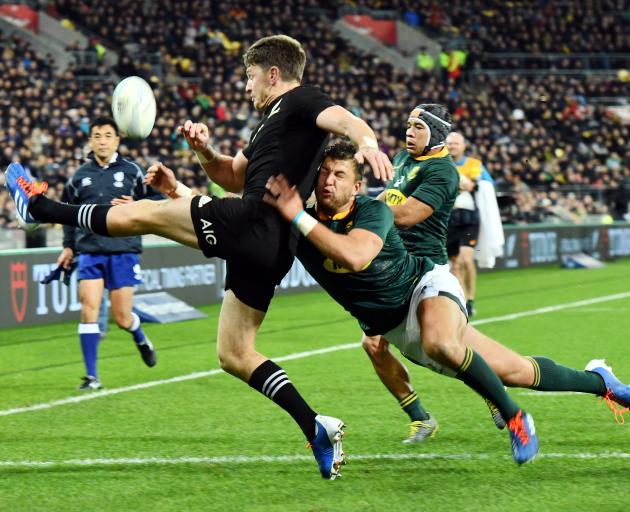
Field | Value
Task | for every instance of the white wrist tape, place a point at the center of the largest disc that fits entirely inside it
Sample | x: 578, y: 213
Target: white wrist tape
x: 203, y: 159
x: 369, y: 142
x: 181, y: 191
x: 304, y: 222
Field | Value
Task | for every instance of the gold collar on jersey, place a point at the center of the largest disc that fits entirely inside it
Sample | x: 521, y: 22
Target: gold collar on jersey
x: 338, y: 215
x: 441, y: 154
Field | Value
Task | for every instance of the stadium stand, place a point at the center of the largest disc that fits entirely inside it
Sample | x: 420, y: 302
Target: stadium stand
x: 555, y: 149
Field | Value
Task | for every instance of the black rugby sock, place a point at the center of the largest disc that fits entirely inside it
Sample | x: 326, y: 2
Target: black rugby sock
x: 91, y: 217
x: 549, y: 376
x: 271, y: 381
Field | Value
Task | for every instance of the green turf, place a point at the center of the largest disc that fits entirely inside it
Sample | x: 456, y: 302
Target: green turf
x: 466, y: 467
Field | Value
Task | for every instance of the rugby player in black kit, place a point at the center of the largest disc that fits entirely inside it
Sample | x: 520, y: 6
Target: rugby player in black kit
x: 250, y: 235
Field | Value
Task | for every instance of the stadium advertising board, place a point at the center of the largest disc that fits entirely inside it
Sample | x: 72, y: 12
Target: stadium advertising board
x: 543, y: 245
x: 171, y: 268
x: 187, y: 275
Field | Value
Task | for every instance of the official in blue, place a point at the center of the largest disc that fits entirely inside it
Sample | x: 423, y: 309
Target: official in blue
x: 112, y: 263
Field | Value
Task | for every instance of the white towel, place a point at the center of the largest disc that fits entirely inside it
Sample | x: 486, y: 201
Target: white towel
x: 491, y: 239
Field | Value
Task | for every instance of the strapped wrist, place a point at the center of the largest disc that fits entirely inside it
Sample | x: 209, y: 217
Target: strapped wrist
x: 180, y: 190
x: 203, y: 159
x: 304, y: 222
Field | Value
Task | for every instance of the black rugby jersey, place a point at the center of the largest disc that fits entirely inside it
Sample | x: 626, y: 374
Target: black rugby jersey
x: 287, y: 141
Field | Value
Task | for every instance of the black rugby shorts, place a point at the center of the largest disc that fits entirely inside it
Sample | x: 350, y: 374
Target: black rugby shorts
x: 255, y: 241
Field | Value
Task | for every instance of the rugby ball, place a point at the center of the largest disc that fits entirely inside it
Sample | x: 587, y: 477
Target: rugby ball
x: 133, y: 107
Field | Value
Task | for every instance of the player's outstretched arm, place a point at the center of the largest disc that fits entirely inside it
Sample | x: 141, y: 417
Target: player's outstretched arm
x: 340, y: 121
x: 353, y: 251
x: 227, y: 171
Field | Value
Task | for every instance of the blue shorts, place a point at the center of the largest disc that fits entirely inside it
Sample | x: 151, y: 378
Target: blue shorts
x: 117, y: 270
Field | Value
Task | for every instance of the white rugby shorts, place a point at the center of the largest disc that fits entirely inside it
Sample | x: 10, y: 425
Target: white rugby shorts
x: 407, y: 336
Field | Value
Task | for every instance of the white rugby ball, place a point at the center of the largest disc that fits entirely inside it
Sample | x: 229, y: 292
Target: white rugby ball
x: 133, y: 107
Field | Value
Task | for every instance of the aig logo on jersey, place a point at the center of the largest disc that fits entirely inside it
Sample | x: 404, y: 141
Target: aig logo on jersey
x: 119, y: 178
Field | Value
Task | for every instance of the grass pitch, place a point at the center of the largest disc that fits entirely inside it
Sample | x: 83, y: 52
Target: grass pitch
x: 185, y: 437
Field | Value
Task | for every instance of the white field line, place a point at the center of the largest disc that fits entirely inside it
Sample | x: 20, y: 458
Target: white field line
x: 244, y: 459
x: 297, y: 355
x: 153, y: 383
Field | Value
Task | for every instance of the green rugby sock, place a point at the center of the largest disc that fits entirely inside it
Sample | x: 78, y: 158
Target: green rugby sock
x: 549, y: 376
x: 476, y: 374
x: 412, y: 406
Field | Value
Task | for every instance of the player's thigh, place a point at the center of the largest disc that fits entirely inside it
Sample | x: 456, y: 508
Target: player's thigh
x: 238, y: 326
x: 90, y: 296
x: 442, y: 324
x: 505, y: 362
x: 170, y: 219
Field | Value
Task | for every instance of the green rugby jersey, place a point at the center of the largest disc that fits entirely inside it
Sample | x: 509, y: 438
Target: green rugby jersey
x: 434, y: 180
x: 378, y: 296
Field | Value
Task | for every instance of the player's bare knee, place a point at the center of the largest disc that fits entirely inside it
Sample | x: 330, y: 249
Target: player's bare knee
x: 122, y: 320
x: 372, y: 346
x: 89, y: 312
x: 441, y: 348
x: 231, y: 359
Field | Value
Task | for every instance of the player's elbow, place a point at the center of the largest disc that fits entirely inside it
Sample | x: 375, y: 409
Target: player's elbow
x: 356, y: 265
x: 356, y: 262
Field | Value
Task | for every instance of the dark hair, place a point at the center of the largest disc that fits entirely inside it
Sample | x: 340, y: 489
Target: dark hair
x: 344, y: 150
x: 281, y: 51
x: 103, y: 121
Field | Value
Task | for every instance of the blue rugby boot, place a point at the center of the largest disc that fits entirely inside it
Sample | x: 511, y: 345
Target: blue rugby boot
x: 523, y: 437
x: 617, y: 395
x: 21, y: 187
x: 327, y: 447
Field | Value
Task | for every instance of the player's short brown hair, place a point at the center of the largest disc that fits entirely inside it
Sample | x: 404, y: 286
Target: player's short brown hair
x: 281, y: 51
x: 344, y: 150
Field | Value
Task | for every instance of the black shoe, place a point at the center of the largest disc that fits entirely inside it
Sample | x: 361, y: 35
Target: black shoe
x: 147, y: 352
x: 90, y: 384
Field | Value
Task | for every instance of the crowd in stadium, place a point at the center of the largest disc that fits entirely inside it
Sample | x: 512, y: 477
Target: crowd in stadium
x: 536, y: 135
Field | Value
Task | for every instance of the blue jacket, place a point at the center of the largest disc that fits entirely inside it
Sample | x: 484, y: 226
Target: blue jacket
x: 93, y: 184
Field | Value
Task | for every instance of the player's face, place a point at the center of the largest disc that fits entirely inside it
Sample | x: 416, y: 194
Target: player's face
x: 258, y: 86
x: 416, y: 134
x: 336, y: 186
x: 456, y: 146
x: 104, y: 142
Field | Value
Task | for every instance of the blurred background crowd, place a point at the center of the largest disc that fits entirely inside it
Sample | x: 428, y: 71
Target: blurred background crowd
x: 538, y: 88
